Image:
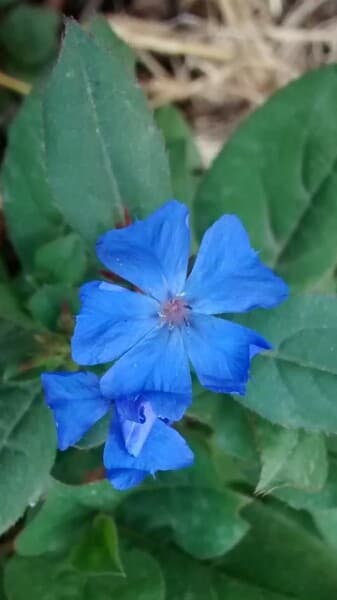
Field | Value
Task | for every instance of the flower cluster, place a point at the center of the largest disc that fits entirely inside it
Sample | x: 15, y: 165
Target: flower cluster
x: 153, y: 332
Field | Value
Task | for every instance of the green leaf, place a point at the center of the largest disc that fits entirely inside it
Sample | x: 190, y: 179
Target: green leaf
x: 204, y: 522
x: 48, y: 303
x: 27, y: 449
x: 95, y: 112
x: 190, y: 505
x: 64, y: 516
x: 30, y: 34
x: 28, y: 203
x: 53, y: 578
x: 97, y: 435
x: 108, y: 39
x: 175, y: 128
x: 324, y: 499
x: 232, y: 430
x: 295, y: 385
x: 183, y: 153
x: 10, y: 309
x: 280, y: 554
x: 98, y: 551
x: 62, y: 260
x: 278, y: 174
x: 290, y: 458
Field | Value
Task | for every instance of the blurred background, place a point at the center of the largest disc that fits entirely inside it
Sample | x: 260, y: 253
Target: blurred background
x: 216, y: 59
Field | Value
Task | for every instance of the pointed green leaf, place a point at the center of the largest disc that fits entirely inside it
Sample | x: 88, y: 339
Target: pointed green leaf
x: 104, y: 152
x: 290, y: 458
x: 323, y: 499
x: 63, y: 517
x: 295, y: 385
x: 184, y: 157
x: 98, y: 551
x: 48, y: 302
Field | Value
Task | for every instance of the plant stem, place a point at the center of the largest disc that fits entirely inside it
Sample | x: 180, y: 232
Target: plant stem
x: 13, y: 84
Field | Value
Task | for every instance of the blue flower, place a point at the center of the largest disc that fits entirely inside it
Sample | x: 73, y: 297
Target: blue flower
x: 139, y: 443
x: 155, y: 333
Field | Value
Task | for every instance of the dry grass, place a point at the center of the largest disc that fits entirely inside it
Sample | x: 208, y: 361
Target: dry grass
x: 222, y: 58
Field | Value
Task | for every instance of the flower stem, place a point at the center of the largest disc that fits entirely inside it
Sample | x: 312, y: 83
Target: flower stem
x: 13, y: 84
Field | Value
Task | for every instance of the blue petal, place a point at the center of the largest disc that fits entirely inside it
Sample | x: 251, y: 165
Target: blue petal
x: 134, y: 433
x: 220, y: 352
x: 123, y: 479
x: 157, y: 368
x: 228, y: 275
x: 163, y: 450
x: 111, y: 320
x: 152, y: 254
x: 76, y: 402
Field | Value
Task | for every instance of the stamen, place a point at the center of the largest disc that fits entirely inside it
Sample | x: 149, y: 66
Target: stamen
x: 174, y: 312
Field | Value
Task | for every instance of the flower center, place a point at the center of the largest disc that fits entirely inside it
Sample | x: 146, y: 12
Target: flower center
x: 174, y: 312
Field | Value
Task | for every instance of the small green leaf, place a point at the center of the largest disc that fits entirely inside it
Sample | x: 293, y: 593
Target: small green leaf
x: 98, y: 551
x: 62, y: 260
x: 31, y: 216
x: 64, y: 516
x: 94, y: 111
x: 175, y: 128
x: 49, y: 302
x: 295, y: 384
x: 290, y: 458
x: 183, y: 153
x: 27, y: 449
x: 324, y: 499
x: 278, y: 173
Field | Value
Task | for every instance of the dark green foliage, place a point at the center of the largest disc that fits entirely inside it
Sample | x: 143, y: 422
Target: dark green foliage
x: 255, y: 518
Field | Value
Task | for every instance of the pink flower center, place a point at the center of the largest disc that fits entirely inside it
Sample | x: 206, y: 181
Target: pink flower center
x: 174, y: 312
